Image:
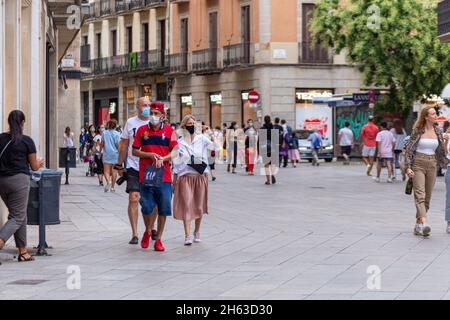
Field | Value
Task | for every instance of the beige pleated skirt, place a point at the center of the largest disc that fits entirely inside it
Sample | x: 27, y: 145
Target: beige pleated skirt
x: 190, y: 199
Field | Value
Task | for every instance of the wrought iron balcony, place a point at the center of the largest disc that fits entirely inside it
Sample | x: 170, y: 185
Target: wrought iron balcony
x: 152, y: 61
x: 136, y: 4
x: 85, y: 54
x: 178, y: 62
x: 444, y: 20
x: 206, y: 61
x: 313, y: 54
x: 238, y: 55
x: 105, y: 8
x: 121, y: 5
x: 154, y: 2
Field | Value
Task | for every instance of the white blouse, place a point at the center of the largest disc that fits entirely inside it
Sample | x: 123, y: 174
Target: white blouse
x: 200, y: 148
x: 427, y: 146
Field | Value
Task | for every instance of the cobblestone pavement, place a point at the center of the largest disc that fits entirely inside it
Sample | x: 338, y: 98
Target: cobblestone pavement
x: 314, y: 235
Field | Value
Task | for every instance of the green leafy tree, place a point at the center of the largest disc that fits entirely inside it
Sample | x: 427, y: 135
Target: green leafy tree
x: 393, y: 43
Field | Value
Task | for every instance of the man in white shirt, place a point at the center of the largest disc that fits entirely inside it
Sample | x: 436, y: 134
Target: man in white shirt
x: 133, y: 188
x: 346, y: 142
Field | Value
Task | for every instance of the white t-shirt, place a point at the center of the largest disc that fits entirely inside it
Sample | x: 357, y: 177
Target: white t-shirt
x: 200, y: 148
x: 98, y: 140
x: 128, y: 133
x: 346, y: 137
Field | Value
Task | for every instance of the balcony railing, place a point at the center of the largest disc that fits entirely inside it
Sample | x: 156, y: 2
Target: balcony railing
x: 178, y: 62
x: 154, y: 2
x: 205, y: 60
x: 105, y: 8
x: 152, y: 60
x: 238, y: 55
x: 443, y: 17
x: 313, y: 54
x: 136, y: 4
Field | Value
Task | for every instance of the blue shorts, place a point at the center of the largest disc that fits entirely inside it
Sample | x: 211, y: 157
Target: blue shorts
x: 160, y: 197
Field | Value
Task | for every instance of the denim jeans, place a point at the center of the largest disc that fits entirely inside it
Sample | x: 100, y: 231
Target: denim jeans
x: 447, y: 195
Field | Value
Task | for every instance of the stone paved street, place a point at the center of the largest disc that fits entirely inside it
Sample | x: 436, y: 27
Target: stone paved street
x: 311, y: 236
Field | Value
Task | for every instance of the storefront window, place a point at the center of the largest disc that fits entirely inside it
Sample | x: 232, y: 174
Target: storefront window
x: 186, y: 105
x: 248, y: 112
x: 215, y: 102
x: 313, y: 112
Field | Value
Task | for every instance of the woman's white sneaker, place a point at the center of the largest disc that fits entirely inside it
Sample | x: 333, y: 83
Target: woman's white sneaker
x: 197, y: 238
x: 187, y: 241
x: 418, y: 230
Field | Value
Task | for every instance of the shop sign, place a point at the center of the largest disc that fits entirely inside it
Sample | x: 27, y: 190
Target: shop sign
x: 308, y: 96
x: 186, y: 100
x: 216, y: 98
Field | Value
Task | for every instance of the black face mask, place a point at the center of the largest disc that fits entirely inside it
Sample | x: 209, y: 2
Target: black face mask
x: 190, y: 129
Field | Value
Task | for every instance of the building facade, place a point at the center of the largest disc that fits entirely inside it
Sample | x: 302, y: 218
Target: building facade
x: 204, y: 56
x: 33, y: 38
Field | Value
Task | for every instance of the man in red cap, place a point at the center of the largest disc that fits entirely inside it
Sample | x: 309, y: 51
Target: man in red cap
x: 156, y: 144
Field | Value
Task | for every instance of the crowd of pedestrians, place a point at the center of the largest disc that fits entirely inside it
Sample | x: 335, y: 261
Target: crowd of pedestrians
x: 167, y: 167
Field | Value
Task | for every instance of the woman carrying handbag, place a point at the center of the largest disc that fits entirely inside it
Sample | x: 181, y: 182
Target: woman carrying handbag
x: 190, y: 200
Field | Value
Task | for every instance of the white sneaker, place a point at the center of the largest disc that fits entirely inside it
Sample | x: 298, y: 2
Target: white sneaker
x: 389, y: 180
x: 112, y: 190
x: 107, y: 187
x: 187, y: 241
x: 418, y: 230
x: 197, y: 238
x: 376, y: 179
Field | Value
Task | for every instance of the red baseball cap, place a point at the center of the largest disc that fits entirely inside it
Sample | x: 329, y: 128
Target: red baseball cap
x: 159, y: 106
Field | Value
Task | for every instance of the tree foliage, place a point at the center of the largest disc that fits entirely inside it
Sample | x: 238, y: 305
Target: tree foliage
x: 393, y: 43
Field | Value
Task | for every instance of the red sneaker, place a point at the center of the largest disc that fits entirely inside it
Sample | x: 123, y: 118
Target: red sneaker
x: 159, y: 246
x: 145, y: 242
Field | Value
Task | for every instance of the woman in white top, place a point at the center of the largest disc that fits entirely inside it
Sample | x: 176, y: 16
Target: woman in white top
x: 425, y: 150
x: 190, y: 183
x: 68, y: 138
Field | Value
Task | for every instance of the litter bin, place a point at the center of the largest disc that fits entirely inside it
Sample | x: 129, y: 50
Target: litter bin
x: 43, y: 202
x: 67, y: 159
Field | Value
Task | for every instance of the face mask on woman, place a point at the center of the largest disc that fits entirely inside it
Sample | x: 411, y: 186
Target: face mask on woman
x: 190, y: 129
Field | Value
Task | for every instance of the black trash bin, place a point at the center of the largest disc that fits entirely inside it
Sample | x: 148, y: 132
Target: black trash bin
x: 43, y: 202
x: 67, y: 159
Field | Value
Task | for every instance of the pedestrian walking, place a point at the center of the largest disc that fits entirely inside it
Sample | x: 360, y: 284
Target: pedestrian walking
x: 218, y: 137
x: 400, y: 135
x: 447, y: 180
x: 316, y: 146
x: 131, y: 172
x: 346, y: 142
x: 294, y: 154
x: 368, y: 135
x: 17, y: 155
x: 385, y: 146
x: 208, y: 133
x: 97, y: 153
x: 277, y: 126
x: 110, y: 148
x: 425, y: 150
x: 232, y: 146
x: 267, y: 146
x: 82, y: 141
x: 251, y: 140
x: 68, y: 138
x: 190, y: 199
x: 156, y: 145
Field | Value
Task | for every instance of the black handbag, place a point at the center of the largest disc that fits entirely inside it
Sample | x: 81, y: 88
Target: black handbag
x: 199, y: 167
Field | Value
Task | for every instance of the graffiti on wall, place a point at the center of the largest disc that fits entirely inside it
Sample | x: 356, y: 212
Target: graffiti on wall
x: 357, y: 117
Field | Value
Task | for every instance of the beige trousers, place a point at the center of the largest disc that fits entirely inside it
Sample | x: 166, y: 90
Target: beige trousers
x: 424, y: 168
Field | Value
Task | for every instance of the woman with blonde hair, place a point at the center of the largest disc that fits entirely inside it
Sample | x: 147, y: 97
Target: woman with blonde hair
x: 190, y: 181
x: 425, y: 150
